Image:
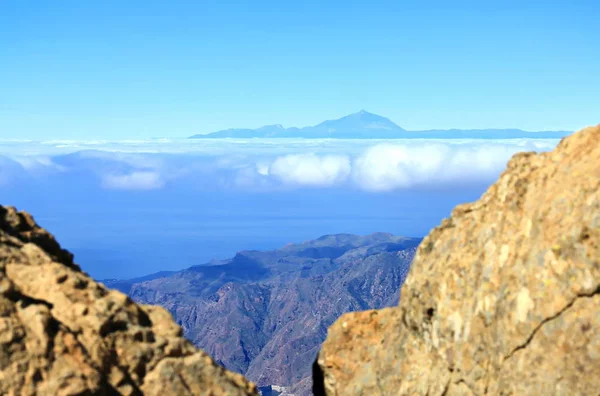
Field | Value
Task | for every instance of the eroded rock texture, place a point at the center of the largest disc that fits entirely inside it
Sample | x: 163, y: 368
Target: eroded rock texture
x: 502, y: 298
x: 62, y: 333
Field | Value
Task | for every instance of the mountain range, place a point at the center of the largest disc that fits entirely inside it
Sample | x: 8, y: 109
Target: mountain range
x: 265, y: 313
x: 365, y: 125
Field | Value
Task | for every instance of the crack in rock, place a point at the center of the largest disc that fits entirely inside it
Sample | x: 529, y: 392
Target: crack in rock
x: 549, y: 319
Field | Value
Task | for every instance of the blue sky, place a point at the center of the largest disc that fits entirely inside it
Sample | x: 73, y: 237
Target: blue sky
x: 137, y: 69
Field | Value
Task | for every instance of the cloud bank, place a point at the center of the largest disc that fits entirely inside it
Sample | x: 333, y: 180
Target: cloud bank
x: 262, y: 165
x: 310, y: 169
x: 133, y: 181
x: 388, y: 167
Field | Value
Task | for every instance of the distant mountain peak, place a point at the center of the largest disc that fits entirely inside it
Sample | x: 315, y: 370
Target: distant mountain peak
x: 366, y: 125
x: 361, y: 123
x: 364, y: 112
x: 274, y: 126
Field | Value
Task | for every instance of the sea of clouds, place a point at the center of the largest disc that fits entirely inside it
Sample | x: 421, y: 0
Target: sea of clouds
x: 263, y: 164
x: 130, y: 208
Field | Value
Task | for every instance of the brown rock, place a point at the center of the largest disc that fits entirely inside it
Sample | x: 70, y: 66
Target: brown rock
x: 502, y: 298
x: 62, y: 333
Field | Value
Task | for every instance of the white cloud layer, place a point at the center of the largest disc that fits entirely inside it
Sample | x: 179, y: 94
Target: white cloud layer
x: 310, y: 169
x: 133, y: 181
x: 257, y: 164
x: 388, y: 167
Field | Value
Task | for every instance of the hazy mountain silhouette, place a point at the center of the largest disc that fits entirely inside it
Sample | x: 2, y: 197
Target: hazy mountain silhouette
x: 365, y: 125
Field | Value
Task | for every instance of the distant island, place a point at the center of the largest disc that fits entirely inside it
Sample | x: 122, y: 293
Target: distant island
x: 365, y: 125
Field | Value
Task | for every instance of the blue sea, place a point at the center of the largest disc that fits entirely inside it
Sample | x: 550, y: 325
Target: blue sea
x: 125, y: 234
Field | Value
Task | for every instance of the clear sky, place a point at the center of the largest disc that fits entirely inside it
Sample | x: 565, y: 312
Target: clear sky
x: 135, y: 69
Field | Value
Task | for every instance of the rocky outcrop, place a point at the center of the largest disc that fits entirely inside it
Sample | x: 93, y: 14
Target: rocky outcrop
x: 502, y: 298
x: 62, y: 333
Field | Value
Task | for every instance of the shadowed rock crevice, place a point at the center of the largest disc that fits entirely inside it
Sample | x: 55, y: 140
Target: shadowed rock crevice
x: 318, y: 387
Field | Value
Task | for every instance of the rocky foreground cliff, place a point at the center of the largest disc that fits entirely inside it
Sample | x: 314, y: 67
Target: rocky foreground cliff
x: 502, y: 298
x: 61, y: 333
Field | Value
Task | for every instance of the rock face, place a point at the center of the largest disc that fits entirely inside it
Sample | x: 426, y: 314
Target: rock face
x: 502, y: 298
x: 62, y: 333
x: 264, y: 314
